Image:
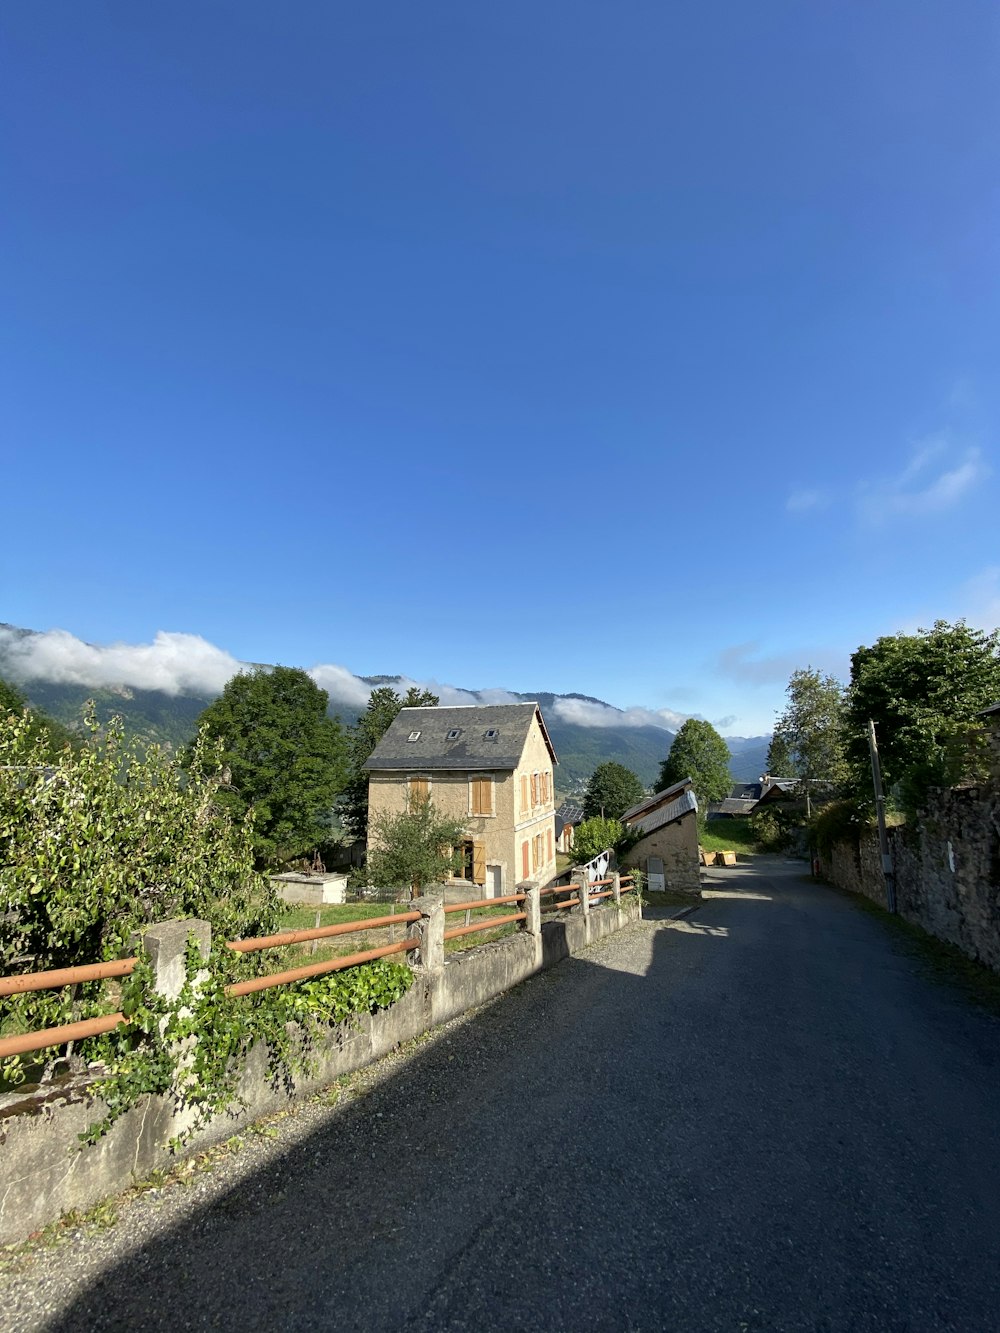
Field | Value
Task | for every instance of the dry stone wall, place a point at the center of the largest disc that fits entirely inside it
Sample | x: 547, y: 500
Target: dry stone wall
x: 947, y: 870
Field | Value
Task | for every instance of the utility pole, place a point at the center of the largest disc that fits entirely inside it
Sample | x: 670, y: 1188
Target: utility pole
x: 883, y: 837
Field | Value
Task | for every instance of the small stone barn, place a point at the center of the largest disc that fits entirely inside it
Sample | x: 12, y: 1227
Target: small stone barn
x: 668, y: 847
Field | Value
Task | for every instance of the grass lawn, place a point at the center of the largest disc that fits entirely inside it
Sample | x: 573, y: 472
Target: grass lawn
x: 728, y: 835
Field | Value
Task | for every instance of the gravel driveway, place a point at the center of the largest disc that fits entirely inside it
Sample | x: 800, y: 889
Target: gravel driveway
x: 763, y: 1116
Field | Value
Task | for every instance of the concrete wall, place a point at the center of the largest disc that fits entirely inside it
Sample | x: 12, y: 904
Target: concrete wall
x: 947, y: 870
x: 44, y: 1170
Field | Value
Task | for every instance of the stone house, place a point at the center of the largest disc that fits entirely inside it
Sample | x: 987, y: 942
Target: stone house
x: 490, y: 766
x: 668, y: 822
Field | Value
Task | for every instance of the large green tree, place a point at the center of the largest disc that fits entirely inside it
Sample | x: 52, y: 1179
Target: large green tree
x: 413, y: 848
x: 286, y: 758
x: 808, y: 740
x: 698, y: 752
x: 611, y: 791
x: 923, y: 691
x: 384, y: 704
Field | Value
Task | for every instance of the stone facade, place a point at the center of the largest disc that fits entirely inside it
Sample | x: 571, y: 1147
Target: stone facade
x: 514, y: 840
x: 947, y: 870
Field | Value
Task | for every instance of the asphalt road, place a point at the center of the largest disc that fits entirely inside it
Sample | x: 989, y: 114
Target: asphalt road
x: 764, y: 1116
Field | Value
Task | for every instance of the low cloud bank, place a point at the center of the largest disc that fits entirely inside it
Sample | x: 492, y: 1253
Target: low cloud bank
x: 586, y: 713
x: 173, y: 663
x: 188, y: 664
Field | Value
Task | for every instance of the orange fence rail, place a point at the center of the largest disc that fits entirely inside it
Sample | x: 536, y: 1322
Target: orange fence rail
x: 317, y: 969
x: 40, y: 1041
x: 485, y: 902
x: 487, y: 923
x: 65, y: 976
x: 321, y: 932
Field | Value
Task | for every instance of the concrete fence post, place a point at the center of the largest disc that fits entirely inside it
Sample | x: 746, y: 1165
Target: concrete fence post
x: 583, y: 889
x: 165, y: 945
x: 616, y: 888
x: 532, y: 908
x: 429, y: 930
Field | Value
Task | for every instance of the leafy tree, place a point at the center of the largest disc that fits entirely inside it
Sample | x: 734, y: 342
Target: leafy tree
x: 808, y: 740
x: 286, y: 759
x: 112, y: 836
x: 698, y: 752
x: 414, y: 848
x: 597, y: 835
x: 611, y: 791
x: 384, y: 705
x: 923, y: 691
x: 52, y: 733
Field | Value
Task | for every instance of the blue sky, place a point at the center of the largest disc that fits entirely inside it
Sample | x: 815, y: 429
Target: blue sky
x: 643, y: 350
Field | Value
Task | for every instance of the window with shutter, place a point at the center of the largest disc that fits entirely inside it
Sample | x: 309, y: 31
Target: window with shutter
x: 481, y: 796
x: 479, y: 862
x: 525, y: 800
x: 534, y: 789
x: 420, y: 788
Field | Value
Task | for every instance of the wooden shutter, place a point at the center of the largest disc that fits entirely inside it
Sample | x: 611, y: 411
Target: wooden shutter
x: 419, y: 789
x: 482, y: 796
x: 479, y: 862
x: 534, y: 789
x: 525, y: 805
x: 548, y: 836
x: 525, y: 868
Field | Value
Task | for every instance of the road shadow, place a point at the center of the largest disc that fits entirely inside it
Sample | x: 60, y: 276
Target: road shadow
x: 683, y: 1128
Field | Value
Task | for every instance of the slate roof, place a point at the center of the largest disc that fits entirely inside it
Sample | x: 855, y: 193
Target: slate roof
x: 650, y: 802
x: 732, y: 805
x: 666, y: 814
x: 471, y: 749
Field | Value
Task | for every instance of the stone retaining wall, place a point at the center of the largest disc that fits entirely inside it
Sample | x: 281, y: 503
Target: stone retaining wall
x: 947, y: 870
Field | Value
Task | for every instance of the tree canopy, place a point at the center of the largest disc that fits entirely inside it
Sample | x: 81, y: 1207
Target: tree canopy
x: 286, y: 759
x: 808, y: 740
x: 698, y: 752
x: 597, y: 835
x: 923, y: 691
x: 611, y: 791
x: 383, y: 706
x: 413, y: 848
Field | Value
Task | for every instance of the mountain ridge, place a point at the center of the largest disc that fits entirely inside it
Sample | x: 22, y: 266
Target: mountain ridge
x: 171, y: 719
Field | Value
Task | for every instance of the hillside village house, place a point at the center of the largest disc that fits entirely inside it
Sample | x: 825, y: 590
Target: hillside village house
x: 488, y: 765
x: 668, y: 847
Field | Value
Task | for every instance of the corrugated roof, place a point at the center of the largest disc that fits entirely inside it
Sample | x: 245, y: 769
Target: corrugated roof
x: 667, y: 814
x: 478, y: 736
x: 649, y: 802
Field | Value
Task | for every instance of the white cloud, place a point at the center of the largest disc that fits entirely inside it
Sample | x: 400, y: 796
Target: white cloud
x: 934, y: 480
x: 587, y: 713
x: 343, y: 686
x: 174, y: 663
